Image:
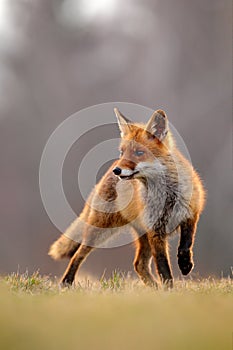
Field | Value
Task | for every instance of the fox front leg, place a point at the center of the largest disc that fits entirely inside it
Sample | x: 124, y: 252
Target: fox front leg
x: 159, y: 249
x: 142, y: 261
x: 185, y: 254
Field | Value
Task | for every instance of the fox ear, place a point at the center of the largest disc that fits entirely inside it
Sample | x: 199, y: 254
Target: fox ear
x: 158, y: 125
x: 123, y: 122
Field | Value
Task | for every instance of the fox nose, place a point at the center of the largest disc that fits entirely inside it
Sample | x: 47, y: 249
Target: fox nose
x: 117, y: 171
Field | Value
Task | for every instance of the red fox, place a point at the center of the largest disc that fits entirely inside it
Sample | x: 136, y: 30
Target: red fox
x: 153, y: 190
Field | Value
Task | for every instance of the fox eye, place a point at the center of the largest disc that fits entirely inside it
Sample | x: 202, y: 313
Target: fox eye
x: 139, y: 153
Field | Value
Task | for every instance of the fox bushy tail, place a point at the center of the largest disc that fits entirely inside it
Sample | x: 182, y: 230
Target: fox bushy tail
x: 69, y: 242
x: 64, y: 247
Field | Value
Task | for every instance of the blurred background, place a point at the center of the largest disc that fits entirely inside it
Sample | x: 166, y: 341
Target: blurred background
x: 58, y: 57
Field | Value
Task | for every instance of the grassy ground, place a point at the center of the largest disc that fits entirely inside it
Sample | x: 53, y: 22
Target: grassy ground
x: 118, y: 313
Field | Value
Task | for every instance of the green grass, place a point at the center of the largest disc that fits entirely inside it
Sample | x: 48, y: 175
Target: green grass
x: 115, y: 313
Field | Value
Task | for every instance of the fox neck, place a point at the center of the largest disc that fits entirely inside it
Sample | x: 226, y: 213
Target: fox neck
x: 159, y: 199
x: 155, y: 186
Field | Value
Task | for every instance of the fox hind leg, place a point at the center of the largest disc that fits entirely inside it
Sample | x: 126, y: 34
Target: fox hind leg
x: 93, y: 237
x: 74, y: 264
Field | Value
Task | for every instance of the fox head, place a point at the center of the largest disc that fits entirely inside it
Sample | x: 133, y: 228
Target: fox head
x: 142, y: 145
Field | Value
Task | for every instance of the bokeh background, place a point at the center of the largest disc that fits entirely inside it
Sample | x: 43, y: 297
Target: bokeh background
x: 58, y: 57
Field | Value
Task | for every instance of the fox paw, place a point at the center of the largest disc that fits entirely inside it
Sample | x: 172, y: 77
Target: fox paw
x: 185, y: 261
x: 65, y: 283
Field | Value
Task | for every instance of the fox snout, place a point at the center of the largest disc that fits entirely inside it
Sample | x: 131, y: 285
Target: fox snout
x: 124, y: 173
x: 117, y: 171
